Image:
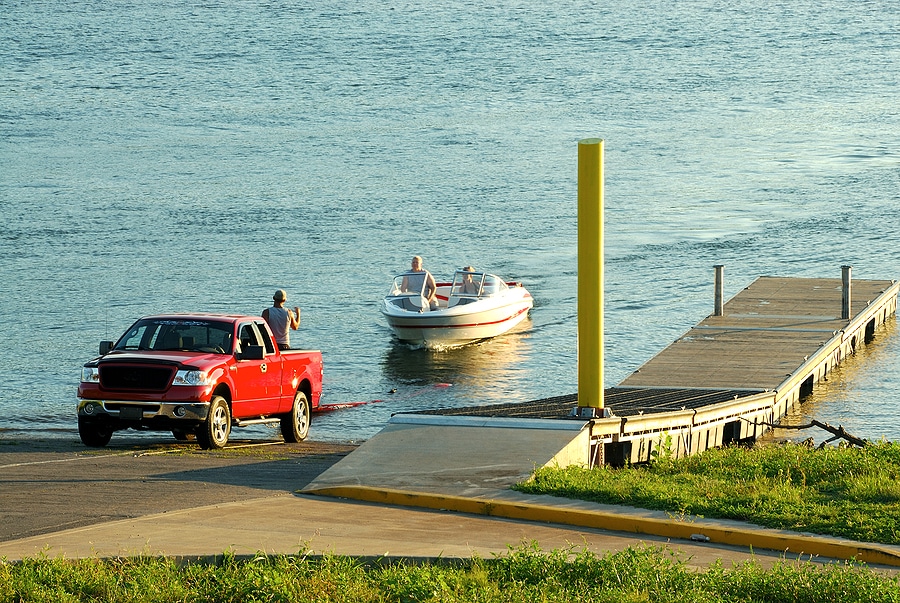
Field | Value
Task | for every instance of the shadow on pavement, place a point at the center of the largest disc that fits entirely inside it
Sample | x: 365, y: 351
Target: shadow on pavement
x: 48, y: 485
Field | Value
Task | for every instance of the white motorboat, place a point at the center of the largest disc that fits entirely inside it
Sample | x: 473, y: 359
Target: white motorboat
x: 475, y: 306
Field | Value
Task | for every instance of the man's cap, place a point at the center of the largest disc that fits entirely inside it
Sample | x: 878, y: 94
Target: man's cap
x: 280, y: 295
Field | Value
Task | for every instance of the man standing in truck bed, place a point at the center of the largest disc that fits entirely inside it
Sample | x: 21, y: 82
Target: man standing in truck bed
x: 281, y: 319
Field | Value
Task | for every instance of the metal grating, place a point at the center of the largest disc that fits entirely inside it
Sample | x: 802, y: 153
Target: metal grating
x: 622, y: 401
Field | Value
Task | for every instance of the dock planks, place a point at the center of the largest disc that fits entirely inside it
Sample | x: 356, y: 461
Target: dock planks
x: 767, y: 331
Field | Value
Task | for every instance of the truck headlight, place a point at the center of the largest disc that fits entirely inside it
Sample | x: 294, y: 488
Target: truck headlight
x: 90, y: 374
x: 191, y: 377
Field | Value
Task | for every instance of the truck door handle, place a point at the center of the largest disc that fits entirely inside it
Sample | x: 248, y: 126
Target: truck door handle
x: 263, y: 368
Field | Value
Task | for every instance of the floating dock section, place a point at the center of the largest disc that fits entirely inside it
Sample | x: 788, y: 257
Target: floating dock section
x: 728, y: 379
x: 774, y: 341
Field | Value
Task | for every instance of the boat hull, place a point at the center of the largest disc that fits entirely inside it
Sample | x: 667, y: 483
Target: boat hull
x: 451, y: 327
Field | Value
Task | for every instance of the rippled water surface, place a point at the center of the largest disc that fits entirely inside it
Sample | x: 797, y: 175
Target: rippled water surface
x: 179, y: 156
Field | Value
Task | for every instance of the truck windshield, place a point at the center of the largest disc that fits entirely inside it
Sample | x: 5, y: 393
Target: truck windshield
x: 170, y: 334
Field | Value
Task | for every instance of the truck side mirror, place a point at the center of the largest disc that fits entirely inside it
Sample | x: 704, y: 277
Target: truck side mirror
x: 253, y: 352
x: 105, y: 347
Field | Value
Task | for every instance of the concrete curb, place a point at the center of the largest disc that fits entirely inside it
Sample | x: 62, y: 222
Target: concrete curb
x: 696, y: 529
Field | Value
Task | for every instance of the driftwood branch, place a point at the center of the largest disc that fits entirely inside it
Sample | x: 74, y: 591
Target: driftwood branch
x: 838, y: 432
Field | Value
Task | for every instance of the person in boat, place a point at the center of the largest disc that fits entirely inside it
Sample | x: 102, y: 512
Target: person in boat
x: 469, y: 287
x: 418, y: 279
x: 281, y: 320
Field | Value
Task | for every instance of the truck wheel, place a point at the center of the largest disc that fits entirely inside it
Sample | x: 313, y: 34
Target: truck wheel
x: 295, y: 425
x: 215, y: 430
x: 94, y: 434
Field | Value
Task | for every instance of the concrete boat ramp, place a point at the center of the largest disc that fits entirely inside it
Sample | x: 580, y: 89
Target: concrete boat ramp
x: 728, y: 379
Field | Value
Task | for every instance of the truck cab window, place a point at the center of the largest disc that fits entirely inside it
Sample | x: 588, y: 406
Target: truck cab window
x: 267, y: 341
x: 248, y: 337
x: 134, y: 339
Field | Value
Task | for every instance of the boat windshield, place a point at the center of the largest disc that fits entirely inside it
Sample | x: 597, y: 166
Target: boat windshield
x: 408, y: 284
x: 467, y: 284
x: 493, y: 285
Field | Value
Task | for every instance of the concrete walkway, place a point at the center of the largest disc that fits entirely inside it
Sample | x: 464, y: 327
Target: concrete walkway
x: 247, y: 502
x: 431, y: 527
x: 291, y: 524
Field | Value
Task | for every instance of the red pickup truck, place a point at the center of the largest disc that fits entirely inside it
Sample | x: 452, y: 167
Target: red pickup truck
x: 197, y: 375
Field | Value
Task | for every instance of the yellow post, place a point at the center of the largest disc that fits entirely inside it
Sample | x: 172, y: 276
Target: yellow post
x: 590, y: 276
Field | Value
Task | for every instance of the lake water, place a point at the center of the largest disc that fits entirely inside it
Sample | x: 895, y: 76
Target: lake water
x: 182, y: 156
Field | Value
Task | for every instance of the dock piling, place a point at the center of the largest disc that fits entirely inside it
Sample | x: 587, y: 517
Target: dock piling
x: 845, y: 292
x: 720, y: 303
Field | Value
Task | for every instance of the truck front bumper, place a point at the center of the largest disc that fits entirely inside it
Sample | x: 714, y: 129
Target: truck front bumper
x: 133, y: 410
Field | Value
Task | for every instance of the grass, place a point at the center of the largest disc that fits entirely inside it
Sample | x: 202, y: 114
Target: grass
x: 839, y: 491
x: 525, y: 575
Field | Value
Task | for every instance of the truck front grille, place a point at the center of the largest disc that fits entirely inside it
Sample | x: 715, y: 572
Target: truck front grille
x: 144, y: 378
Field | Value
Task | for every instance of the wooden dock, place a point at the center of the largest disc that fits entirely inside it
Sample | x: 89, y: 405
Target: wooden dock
x: 768, y: 332
x: 774, y: 341
x: 730, y: 377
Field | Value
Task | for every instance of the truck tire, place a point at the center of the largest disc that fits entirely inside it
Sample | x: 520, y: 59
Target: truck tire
x: 94, y: 434
x: 215, y: 430
x: 295, y: 425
